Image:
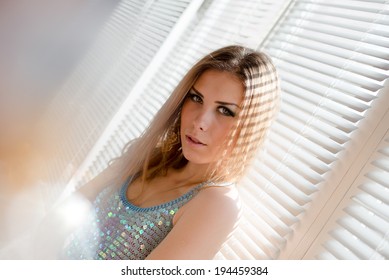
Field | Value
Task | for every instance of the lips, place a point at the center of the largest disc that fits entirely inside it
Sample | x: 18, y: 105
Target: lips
x: 194, y: 140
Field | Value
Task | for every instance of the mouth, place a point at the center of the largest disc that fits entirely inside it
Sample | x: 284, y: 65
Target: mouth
x: 194, y: 140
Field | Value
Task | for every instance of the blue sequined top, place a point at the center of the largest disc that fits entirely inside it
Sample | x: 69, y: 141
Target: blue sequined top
x: 120, y: 230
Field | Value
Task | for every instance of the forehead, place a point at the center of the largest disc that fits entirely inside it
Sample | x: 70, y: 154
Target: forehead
x: 220, y: 84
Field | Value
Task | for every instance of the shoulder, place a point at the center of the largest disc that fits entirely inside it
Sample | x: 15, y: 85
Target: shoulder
x: 221, y: 203
x: 218, y: 196
x: 99, y: 183
x: 202, y: 225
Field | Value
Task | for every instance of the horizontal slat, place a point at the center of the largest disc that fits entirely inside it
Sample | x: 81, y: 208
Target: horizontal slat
x: 254, y: 241
x: 291, y: 182
x: 353, y: 244
x: 270, y: 251
x: 360, y: 15
x: 341, y: 42
x: 323, y: 68
x: 338, y: 250
x: 339, y: 134
x: 380, y: 192
x: 367, y: 217
x: 303, y: 160
x: 380, y: 178
x: 272, y: 226
x: 246, y: 240
x: 318, y: 112
x: 366, y: 236
x: 313, y: 142
x: 297, y: 198
x: 327, y: 97
x: 346, y: 87
x: 383, y: 164
x: 239, y: 250
x: 356, y: 24
x: 226, y: 252
x: 344, y: 62
x: 374, y: 205
x: 288, y: 174
x: 264, y: 228
x: 385, y: 151
x: 175, y: 8
x: 328, y: 47
x: 177, y: 5
x: 342, y: 32
x: 279, y: 204
x: 367, y: 6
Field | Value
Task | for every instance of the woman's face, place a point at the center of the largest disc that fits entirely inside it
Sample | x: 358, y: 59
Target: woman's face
x: 209, y: 112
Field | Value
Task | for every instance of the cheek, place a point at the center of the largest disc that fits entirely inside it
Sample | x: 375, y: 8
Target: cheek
x: 222, y: 133
x: 185, y: 115
x: 226, y: 127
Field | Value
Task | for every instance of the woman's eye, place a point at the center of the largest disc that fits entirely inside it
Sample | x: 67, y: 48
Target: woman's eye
x: 227, y: 112
x: 195, y: 98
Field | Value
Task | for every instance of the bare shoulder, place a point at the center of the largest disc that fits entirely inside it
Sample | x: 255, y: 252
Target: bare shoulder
x: 97, y: 184
x: 202, y: 225
x: 226, y: 196
x: 216, y: 202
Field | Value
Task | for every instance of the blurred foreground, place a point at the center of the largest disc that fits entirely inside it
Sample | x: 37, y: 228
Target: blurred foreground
x: 41, y: 43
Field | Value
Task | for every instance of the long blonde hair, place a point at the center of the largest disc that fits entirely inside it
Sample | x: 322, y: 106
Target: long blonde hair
x: 159, y: 147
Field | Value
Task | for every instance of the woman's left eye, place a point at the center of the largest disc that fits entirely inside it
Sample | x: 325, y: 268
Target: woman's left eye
x: 227, y: 112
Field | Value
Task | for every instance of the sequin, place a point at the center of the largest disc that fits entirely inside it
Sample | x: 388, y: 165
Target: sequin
x: 123, y: 230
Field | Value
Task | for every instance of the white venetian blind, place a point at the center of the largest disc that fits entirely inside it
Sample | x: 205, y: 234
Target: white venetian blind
x: 333, y: 61
x: 360, y: 227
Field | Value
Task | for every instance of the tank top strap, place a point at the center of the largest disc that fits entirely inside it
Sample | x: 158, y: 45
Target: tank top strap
x: 213, y: 184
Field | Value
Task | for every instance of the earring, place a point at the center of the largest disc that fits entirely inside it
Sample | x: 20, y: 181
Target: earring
x: 172, y: 139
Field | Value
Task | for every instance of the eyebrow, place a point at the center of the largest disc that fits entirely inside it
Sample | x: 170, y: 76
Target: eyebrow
x: 218, y: 102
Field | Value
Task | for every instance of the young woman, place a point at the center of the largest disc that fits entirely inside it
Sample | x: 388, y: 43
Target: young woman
x: 172, y: 194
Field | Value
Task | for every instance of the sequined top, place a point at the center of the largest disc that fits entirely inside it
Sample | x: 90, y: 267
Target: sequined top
x: 120, y: 230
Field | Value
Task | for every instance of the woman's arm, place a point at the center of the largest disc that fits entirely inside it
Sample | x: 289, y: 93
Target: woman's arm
x: 201, y: 226
x: 93, y: 187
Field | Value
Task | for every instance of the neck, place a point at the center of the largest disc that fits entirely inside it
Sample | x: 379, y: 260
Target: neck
x: 190, y: 173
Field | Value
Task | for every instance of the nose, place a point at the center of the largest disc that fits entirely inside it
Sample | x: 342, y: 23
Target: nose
x: 202, y: 121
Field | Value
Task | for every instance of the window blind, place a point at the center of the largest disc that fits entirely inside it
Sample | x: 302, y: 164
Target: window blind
x: 333, y: 61
x: 360, y: 227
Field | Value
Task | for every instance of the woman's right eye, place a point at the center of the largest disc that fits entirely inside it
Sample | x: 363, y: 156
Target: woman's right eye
x: 195, y: 98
